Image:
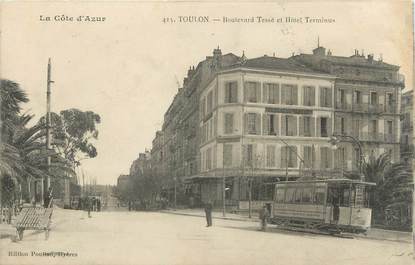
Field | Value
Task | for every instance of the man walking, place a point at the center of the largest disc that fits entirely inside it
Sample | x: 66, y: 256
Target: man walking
x: 208, y: 212
x: 263, y: 216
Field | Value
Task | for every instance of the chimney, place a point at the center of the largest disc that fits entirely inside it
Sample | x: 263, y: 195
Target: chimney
x: 217, y: 58
x: 329, y: 53
x: 370, y: 58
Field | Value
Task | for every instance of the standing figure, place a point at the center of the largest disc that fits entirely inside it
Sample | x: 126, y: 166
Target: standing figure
x: 89, y: 206
x: 263, y: 216
x: 336, y: 211
x: 208, y: 212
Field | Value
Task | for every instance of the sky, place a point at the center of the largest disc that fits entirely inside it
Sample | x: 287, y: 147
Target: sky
x: 127, y: 68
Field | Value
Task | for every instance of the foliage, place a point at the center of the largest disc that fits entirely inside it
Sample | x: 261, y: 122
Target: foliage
x: 393, y: 184
x: 73, y: 131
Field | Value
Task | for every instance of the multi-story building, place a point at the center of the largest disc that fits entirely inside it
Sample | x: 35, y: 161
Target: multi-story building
x: 262, y: 120
x: 367, y: 96
x: 142, y: 165
x: 177, y: 144
x: 242, y: 123
x: 407, y: 130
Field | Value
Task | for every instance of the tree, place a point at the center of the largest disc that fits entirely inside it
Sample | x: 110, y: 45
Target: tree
x: 392, y: 183
x: 72, y: 132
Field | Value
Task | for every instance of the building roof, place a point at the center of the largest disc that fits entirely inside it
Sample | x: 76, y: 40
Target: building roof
x: 274, y: 63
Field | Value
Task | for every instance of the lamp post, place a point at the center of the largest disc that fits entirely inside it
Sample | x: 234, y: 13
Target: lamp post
x: 337, y: 138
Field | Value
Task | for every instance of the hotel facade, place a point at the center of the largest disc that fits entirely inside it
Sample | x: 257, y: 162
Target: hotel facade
x: 238, y: 125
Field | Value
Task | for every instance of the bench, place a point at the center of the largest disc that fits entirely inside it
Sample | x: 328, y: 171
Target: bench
x: 33, y: 218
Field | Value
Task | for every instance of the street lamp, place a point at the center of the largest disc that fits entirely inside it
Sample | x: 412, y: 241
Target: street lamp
x: 337, y: 138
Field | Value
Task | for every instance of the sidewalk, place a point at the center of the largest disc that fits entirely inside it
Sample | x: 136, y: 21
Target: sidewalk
x: 373, y: 233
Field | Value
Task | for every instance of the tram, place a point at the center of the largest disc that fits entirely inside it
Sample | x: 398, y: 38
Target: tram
x: 330, y: 205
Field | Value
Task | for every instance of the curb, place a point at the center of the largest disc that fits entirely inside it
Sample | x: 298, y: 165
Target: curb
x: 256, y: 221
x: 213, y: 217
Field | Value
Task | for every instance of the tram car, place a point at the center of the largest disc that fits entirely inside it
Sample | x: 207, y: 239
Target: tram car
x: 331, y: 205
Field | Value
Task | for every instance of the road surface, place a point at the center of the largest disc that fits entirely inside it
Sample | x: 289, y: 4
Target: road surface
x: 160, y: 238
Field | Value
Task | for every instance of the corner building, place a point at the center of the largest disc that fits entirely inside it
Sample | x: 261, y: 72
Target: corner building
x: 263, y: 120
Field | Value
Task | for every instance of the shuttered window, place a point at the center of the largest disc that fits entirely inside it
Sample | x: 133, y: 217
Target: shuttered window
x: 325, y: 96
x: 289, y: 156
x: 271, y: 93
x: 252, y: 92
x: 289, y: 125
x: 270, y: 124
x: 308, y: 156
x: 231, y: 92
x: 253, y: 123
x: 289, y: 94
x: 325, y: 157
x: 309, y: 95
x: 228, y: 123
x: 227, y: 155
x: 270, y: 156
x: 209, y: 102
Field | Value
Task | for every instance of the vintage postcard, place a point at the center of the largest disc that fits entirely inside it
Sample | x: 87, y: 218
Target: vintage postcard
x: 206, y: 132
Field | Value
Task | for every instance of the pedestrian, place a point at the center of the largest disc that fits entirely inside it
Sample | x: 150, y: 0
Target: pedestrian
x: 99, y: 205
x: 336, y: 211
x: 89, y: 206
x: 208, y: 212
x: 263, y: 216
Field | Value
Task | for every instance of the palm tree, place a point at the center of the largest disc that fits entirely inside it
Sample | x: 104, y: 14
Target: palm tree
x: 392, y: 181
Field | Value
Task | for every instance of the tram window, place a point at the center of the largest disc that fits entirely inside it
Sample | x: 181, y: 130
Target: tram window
x: 280, y: 195
x: 306, y: 197
x: 319, y: 195
x: 289, y: 195
x: 298, y: 193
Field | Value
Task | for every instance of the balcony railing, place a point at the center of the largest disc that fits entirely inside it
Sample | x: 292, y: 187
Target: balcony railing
x: 365, y: 107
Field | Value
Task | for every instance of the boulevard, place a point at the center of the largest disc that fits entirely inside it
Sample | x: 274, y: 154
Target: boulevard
x: 122, y: 237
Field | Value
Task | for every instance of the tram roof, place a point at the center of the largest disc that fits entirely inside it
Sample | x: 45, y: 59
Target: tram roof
x: 348, y: 181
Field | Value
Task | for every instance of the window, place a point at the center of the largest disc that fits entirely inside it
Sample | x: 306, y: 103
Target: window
x: 323, y: 127
x: 308, y: 156
x: 231, y: 92
x: 319, y: 195
x: 228, y: 120
x: 306, y: 126
x: 209, y: 102
x: 342, y: 96
x: 252, y: 92
x: 342, y: 125
x: 203, y: 108
x: 289, y: 156
x: 249, y: 154
x: 270, y: 156
x: 227, y: 155
x: 373, y: 126
x: 280, y: 194
x: 271, y: 93
x: 270, y: 124
x: 357, y: 127
x: 253, y: 123
x: 325, y: 97
x: 373, y: 98
x: 306, y: 195
x: 325, y: 157
x: 309, y: 95
x: 289, y: 94
x: 209, y: 159
x: 298, y: 194
x: 340, y: 158
x: 389, y: 127
x: 389, y: 99
x: 289, y: 125
x: 358, y: 97
x: 289, y: 195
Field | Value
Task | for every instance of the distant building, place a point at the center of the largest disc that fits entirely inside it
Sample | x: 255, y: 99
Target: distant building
x: 123, y: 181
x: 407, y: 130
x: 141, y: 165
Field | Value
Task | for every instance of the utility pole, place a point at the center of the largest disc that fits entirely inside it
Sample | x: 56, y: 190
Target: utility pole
x: 223, y: 189
x: 48, y: 122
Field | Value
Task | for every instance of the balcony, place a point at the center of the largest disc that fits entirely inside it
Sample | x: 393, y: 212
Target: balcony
x: 371, y: 137
x: 365, y: 107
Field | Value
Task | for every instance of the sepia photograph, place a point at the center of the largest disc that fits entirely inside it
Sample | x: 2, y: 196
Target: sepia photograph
x: 206, y: 132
